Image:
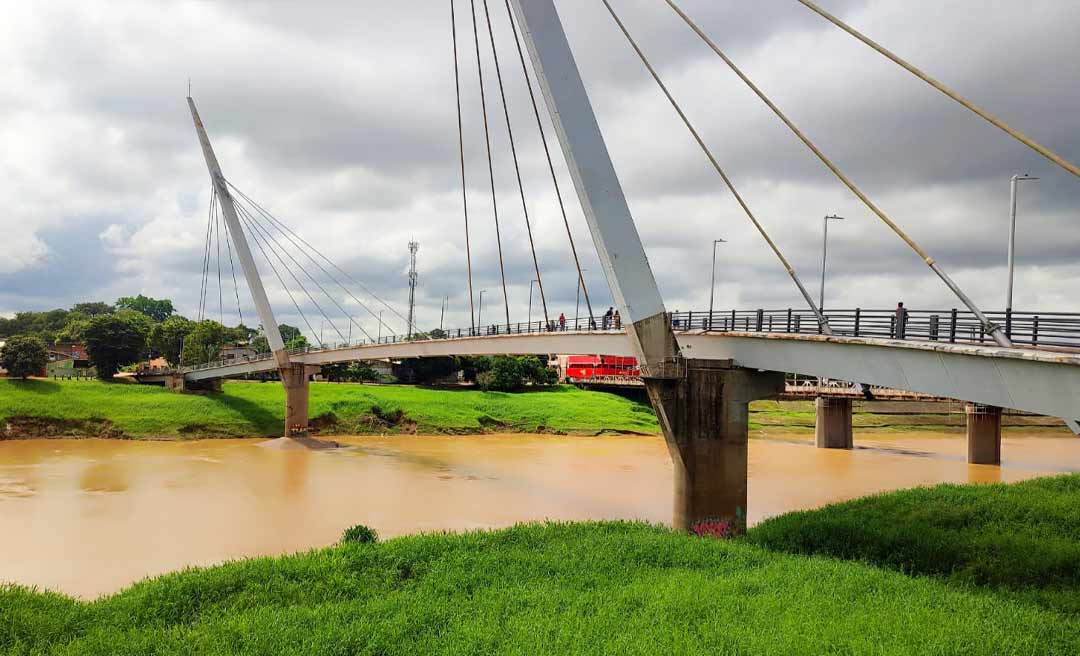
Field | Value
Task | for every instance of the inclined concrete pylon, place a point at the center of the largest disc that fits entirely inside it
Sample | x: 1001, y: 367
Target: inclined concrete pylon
x: 701, y: 405
x: 293, y: 376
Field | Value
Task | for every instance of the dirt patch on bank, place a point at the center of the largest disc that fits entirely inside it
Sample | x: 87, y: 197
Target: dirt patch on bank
x: 23, y: 427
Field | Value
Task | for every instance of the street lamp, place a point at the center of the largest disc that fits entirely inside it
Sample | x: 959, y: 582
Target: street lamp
x: 529, y: 323
x: 480, y: 312
x: 712, y: 283
x: 577, y: 301
x: 824, y: 253
x: 1012, y: 234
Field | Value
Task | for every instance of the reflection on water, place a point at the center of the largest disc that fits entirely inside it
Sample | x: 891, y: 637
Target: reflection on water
x: 90, y: 516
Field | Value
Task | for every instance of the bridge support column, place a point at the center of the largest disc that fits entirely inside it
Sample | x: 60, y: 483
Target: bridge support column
x: 706, y: 408
x: 983, y: 434
x: 833, y: 427
x: 295, y: 379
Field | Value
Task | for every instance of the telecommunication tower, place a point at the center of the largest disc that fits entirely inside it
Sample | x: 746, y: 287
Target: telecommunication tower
x: 413, y: 247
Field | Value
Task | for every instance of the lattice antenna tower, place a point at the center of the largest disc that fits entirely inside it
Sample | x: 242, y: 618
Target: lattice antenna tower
x: 413, y: 247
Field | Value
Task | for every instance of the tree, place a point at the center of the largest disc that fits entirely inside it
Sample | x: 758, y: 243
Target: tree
x: 116, y: 340
x: 426, y: 370
x: 167, y: 337
x: 158, y: 310
x: 93, y: 309
x: 297, y: 342
x: 44, y: 325
x: 23, y: 356
x: 203, y: 342
x: 512, y: 373
x: 75, y: 330
x: 240, y: 333
x: 288, y: 332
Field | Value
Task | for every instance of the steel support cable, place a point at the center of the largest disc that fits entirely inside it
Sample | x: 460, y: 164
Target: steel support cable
x: 232, y: 268
x: 308, y: 274
x: 218, y: 220
x: 822, y: 321
x: 294, y: 239
x: 982, y: 113
x: 491, y: 166
x: 992, y: 329
x: 547, y: 154
x: 276, y: 247
x: 461, y: 151
x: 281, y: 281
x: 281, y: 225
x: 517, y: 168
x: 206, y: 253
x: 258, y: 241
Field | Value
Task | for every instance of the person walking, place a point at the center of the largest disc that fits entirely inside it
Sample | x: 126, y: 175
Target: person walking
x: 618, y: 320
x: 562, y: 321
x: 900, y: 321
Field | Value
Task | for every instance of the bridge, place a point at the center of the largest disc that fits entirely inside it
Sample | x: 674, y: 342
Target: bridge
x: 700, y: 369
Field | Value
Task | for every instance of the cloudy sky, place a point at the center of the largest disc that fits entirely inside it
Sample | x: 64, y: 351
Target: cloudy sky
x: 339, y: 117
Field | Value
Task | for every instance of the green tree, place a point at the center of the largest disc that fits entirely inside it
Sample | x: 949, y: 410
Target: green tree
x: 44, y: 325
x: 511, y: 373
x: 93, y: 309
x: 427, y: 370
x: 240, y: 333
x: 203, y: 342
x: 156, y: 309
x: 116, y: 340
x: 297, y: 342
x: 23, y: 356
x: 167, y: 337
x: 288, y: 332
x: 75, y: 329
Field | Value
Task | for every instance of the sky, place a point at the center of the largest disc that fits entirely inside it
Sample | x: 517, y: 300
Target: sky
x: 340, y: 119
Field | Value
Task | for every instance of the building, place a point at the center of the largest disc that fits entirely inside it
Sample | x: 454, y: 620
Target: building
x: 238, y: 352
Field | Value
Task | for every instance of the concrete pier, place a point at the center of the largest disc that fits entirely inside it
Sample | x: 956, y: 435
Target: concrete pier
x: 295, y: 378
x: 706, y: 408
x: 983, y: 434
x: 832, y: 429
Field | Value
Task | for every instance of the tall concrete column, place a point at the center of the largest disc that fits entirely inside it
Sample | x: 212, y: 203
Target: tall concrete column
x: 295, y: 380
x: 833, y: 427
x: 706, y: 403
x: 983, y: 434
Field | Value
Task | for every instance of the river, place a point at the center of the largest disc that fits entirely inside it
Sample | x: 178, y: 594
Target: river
x: 88, y: 517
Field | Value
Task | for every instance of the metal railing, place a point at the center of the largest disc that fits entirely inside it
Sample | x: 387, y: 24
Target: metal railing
x: 1025, y: 329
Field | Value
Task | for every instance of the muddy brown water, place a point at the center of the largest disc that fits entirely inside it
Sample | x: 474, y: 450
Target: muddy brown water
x: 89, y: 517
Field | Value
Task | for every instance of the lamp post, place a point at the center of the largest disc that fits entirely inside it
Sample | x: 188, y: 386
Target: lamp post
x: 321, y: 326
x: 480, y: 311
x: 529, y: 323
x: 379, y: 338
x: 577, y: 302
x: 442, y: 312
x: 712, y: 282
x: 1012, y: 234
x: 824, y: 254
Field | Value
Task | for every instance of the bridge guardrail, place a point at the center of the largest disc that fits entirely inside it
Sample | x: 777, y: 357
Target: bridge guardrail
x: 1025, y: 329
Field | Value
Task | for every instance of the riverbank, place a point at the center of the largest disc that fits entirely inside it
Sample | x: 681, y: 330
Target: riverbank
x: 626, y: 588
x: 47, y: 408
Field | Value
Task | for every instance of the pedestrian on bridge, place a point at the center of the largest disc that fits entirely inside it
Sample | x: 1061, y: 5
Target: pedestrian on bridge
x: 562, y: 321
x: 618, y: 320
x: 607, y: 318
x: 900, y: 321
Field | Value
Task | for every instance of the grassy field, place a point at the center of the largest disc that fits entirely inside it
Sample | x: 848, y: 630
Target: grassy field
x: 620, y: 588
x: 44, y: 407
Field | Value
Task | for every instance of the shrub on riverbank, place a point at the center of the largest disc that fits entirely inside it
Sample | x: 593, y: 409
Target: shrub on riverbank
x: 256, y: 409
x: 1020, y: 540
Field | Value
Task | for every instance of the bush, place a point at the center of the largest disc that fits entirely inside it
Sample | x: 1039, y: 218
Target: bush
x: 23, y: 356
x: 359, y: 534
x: 511, y: 374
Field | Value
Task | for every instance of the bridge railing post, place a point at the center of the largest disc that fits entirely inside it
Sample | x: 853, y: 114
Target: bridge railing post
x: 934, y: 327
x: 760, y: 319
x: 1035, y: 330
x: 858, y: 317
x: 1008, y: 322
x: 788, y: 328
x: 952, y: 325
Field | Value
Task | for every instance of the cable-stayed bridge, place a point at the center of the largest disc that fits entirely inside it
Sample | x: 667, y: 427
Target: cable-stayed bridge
x: 700, y: 369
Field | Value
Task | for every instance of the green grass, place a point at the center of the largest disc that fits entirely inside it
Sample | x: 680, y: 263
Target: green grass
x: 944, y: 570
x: 256, y: 409
x: 613, y: 588
x: 1018, y: 541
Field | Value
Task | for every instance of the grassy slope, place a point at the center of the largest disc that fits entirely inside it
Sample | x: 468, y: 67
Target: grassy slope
x: 250, y: 409
x: 584, y: 588
x: 989, y: 551
x: 1019, y: 541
